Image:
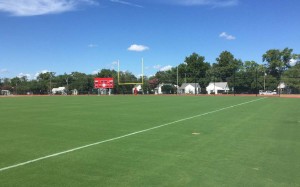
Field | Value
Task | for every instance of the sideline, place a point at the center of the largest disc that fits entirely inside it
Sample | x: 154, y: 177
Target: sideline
x: 124, y: 136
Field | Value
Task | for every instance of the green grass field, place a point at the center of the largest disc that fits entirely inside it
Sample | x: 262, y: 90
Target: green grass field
x: 199, y: 141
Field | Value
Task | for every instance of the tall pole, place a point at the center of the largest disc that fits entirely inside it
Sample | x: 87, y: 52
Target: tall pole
x: 265, y: 81
x: 279, y: 90
x: 177, y: 81
x: 214, y: 83
x: 185, y: 72
x: 142, y: 71
x: 50, y: 84
x: 118, y: 72
x: 256, y: 83
x: 67, y: 80
x: 234, y: 83
x: 195, y: 86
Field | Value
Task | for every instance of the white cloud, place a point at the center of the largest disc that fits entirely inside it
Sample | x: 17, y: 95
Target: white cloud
x: 227, y: 36
x: 114, y: 63
x: 24, y: 75
x: 41, y: 7
x: 3, y: 71
x: 95, y: 72
x: 138, y: 48
x: 157, y: 66
x: 166, y: 68
x: 126, y: 3
x: 39, y: 72
x: 293, y: 62
x: 92, y: 45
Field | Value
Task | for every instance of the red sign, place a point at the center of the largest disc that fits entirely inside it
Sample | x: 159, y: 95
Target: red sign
x: 103, y: 83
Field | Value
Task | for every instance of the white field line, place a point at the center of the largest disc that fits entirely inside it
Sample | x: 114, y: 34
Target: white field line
x: 126, y: 135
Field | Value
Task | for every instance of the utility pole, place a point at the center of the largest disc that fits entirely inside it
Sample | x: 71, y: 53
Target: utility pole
x: 67, y: 80
x: 177, y: 81
x: 195, y: 86
x: 50, y: 83
x: 265, y: 81
x: 256, y: 83
x: 234, y: 83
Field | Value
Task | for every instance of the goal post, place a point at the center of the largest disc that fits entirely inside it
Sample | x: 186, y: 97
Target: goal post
x: 131, y: 83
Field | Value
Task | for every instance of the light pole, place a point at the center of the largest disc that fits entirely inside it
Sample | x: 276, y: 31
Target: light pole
x: 67, y: 80
x: 177, y: 81
x: 50, y: 92
x: 265, y: 81
x: 185, y: 72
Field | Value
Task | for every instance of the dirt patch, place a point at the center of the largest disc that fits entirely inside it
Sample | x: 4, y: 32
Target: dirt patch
x: 290, y: 95
x: 195, y: 133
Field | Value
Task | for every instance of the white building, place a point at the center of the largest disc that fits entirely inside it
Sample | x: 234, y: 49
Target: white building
x: 158, y: 90
x: 283, y: 88
x: 217, y: 87
x: 59, y: 90
x: 5, y: 92
x: 189, y: 88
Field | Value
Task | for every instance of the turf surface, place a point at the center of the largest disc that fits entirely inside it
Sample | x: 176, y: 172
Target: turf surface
x: 254, y: 144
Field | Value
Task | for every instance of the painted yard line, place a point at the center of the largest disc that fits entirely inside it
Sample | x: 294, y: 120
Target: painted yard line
x: 126, y: 135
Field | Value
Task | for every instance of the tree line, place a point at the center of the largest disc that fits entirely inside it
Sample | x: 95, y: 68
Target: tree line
x: 242, y: 76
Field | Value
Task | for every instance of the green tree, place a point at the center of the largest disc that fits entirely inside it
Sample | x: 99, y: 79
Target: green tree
x: 153, y: 83
x: 146, y: 86
x: 80, y: 81
x: 46, y: 82
x: 196, y: 70
x: 20, y: 85
x: 105, y: 73
x: 292, y: 78
x: 278, y: 61
x: 245, y: 78
x: 226, y: 66
x: 168, y: 89
x: 126, y: 77
x: 165, y: 76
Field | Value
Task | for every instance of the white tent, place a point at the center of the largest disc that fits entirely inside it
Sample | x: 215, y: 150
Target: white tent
x: 190, y: 88
x: 59, y: 90
x: 217, y: 87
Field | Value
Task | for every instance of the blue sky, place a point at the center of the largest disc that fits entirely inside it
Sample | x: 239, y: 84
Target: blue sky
x: 87, y: 35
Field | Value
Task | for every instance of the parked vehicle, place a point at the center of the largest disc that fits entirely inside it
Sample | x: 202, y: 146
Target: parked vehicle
x: 267, y: 92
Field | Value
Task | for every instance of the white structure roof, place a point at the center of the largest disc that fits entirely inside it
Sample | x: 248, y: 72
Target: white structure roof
x: 217, y: 86
x: 187, y: 84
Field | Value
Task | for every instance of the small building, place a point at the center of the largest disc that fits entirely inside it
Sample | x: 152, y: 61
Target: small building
x: 283, y: 88
x: 5, y: 92
x: 158, y: 89
x: 189, y: 88
x: 217, y: 87
x: 74, y: 92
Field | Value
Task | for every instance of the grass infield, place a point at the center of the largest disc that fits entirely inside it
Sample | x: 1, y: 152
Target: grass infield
x: 195, y: 143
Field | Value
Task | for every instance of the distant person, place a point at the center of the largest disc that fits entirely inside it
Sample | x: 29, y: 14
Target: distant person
x: 135, y: 91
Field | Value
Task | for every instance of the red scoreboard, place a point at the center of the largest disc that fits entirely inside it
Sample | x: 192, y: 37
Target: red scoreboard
x: 103, y: 83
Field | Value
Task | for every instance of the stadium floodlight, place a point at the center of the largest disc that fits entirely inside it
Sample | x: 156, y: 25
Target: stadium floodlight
x: 131, y: 83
